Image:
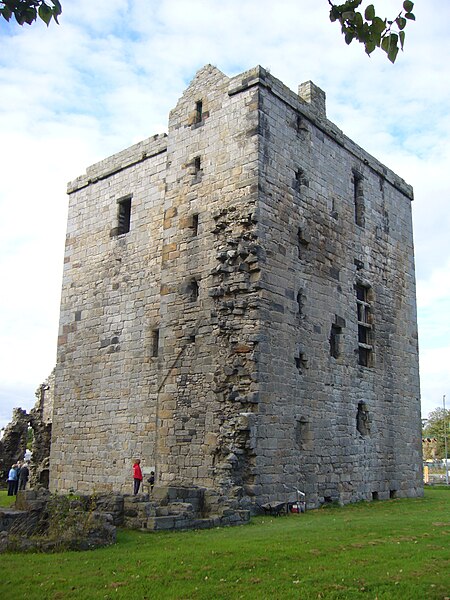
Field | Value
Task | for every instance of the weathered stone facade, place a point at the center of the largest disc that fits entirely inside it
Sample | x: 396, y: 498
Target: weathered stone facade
x: 238, y: 308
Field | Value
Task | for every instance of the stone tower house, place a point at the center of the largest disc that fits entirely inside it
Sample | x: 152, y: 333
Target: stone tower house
x: 238, y: 307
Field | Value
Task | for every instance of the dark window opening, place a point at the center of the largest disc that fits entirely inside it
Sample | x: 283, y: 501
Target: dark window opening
x: 197, y: 164
x: 334, y: 212
x: 302, y: 432
x: 193, y: 290
x: 78, y: 315
x: 301, y: 362
x: 300, y: 179
x: 335, y: 340
x: 123, y: 216
x: 364, y: 357
x: 364, y: 326
x: 358, y: 198
x: 194, y: 225
x: 300, y: 301
x: 301, y: 124
x: 392, y: 494
x: 375, y: 496
x: 198, y: 111
x: 155, y: 342
x: 363, y: 419
x: 303, y: 240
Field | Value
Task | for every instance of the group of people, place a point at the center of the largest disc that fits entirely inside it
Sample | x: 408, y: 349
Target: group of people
x: 138, y: 477
x: 19, y: 473
x: 18, y: 477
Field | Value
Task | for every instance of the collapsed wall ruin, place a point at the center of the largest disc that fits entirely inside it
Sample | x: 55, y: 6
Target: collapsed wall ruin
x: 238, y: 308
x: 14, y: 442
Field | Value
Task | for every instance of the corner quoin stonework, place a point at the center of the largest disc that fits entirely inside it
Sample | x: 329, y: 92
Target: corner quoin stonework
x: 238, y: 308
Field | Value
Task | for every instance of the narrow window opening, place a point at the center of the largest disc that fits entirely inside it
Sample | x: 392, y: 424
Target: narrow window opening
x: 197, y: 164
x: 78, y: 315
x: 300, y: 179
x: 155, y: 342
x: 300, y: 301
x: 363, y: 419
x: 358, y: 197
x: 303, y: 241
x: 334, y: 209
x: 302, y: 433
x: 193, y: 290
x: 336, y: 336
x: 198, y: 111
x: 195, y: 225
x: 123, y: 216
x: 335, y: 340
x: 363, y: 306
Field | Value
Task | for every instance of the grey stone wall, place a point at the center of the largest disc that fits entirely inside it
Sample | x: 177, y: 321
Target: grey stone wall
x: 217, y: 339
x: 316, y: 255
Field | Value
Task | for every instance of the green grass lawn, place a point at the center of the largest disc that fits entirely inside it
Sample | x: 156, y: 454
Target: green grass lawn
x: 394, y: 549
x: 5, y: 500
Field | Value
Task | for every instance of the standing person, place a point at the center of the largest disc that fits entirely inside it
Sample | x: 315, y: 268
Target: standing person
x: 151, y: 480
x: 16, y: 485
x: 12, y: 480
x: 137, y: 475
x: 24, y: 473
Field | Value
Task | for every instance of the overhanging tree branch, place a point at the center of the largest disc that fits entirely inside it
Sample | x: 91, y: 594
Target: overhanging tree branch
x: 28, y: 11
x: 370, y: 30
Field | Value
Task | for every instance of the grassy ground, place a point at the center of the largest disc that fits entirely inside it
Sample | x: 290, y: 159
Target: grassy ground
x: 395, y: 549
x: 5, y: 500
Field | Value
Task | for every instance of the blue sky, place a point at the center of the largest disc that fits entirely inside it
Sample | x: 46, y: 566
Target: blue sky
x: 107, y: 77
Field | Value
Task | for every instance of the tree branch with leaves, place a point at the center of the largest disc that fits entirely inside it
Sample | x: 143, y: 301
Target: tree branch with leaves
x: 369, y: 29
x: 28, y: 11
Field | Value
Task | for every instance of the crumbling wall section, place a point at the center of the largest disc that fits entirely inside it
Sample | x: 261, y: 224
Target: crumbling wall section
x: 41, y: 423
x: 14, y: 441
x: 235, y: 290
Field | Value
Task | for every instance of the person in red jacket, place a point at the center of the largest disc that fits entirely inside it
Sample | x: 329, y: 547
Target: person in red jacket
x: 137, y: 475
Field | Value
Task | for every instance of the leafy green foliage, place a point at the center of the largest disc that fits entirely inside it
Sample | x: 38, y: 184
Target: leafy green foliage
x: 369, y: 29
x: 437, y: 424
x: 28, y: 11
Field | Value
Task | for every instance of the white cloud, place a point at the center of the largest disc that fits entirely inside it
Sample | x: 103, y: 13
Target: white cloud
x: 108, y: 76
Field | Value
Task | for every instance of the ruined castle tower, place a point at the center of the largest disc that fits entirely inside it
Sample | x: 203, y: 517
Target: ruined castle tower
x: 238, y: 307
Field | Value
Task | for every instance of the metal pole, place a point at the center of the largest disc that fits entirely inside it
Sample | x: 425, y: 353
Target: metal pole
x: 445, y: 442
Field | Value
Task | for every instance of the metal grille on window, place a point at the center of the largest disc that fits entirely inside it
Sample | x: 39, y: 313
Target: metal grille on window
x: 365, y: 347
